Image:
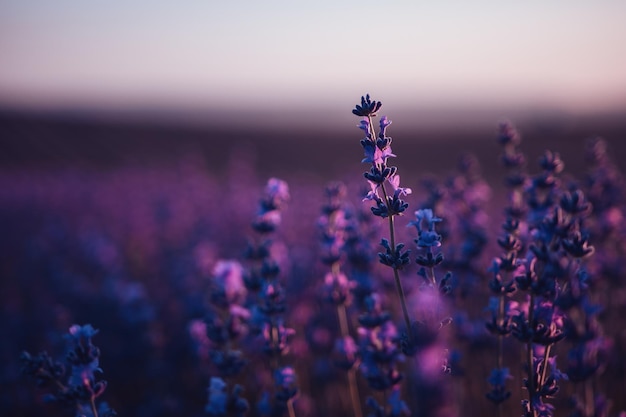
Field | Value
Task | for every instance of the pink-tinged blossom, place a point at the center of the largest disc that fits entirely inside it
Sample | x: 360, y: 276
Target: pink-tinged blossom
x: 384, y: 123
x: 373, y: 193
x: 337, y: 288
x: 285, y: 381
x: 228, y: 279
x: 394, y: 180
x: 268, y: 220
x: 198, y: 333
x: 277, y: 190
x: 239, y: 312
x: 286, y: 377
x: 375, y: 155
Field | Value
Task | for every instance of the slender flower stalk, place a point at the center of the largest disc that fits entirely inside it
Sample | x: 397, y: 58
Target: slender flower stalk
x: 377, y: 148
x: 386, y: 194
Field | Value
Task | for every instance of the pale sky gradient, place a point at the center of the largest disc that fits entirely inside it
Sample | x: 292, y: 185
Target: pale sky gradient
x: 136, y: 54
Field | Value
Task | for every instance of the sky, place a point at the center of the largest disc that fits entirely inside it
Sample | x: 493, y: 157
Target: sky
x: 304, y: 56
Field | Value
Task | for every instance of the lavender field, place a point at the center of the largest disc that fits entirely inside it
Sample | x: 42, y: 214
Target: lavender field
x: 236, y: 270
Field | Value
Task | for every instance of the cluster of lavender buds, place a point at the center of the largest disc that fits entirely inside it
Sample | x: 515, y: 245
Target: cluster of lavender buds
x: 73, y: 382
x: 224, y: 327
x: 267, y: 302
x: 246, y: 308
x: 599, y: 306
x: 553, y: 277
x: 223, y: 403
x: 377, y: 149
x: 510, y: 263
x: 540, y: 320
x: 380, y: 358
x: 428, y: 241
x: 226, y: 321
x: 381, y: 347
x: 337, y: 287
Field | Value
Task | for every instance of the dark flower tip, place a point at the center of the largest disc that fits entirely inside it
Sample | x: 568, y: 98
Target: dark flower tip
x: 367, y: 107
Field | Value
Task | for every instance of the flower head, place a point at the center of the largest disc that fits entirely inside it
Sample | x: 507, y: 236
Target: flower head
x: 425, y: 217
x: 367, y: 107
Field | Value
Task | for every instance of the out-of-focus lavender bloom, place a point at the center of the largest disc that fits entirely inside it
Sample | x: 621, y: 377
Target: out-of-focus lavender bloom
x: 217, y: 397
x: 380, y: 354
x: 497, y: 380
x: 83, y: 355
x: 221, y: 403
x: 374, y: 315
x: 276, y: 196
x: 276, y: 339
x: 285, y: 380
x: 395, y: 406
x: 337, y: 287
x: 345, y: 352
x: 228, y: 285
x: 277, y: 192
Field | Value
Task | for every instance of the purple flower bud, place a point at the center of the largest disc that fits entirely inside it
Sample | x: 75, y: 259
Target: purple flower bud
x: 384, y: 123
x: 425, y: 217
x: 364, y: 125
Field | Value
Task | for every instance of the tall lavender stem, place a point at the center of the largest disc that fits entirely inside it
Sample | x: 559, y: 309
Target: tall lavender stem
x: 377, y: 149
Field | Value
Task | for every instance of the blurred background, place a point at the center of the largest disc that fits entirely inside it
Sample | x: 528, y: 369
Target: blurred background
x: 93, y: 81
x: 125, y: 127
x: 282, y: 64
